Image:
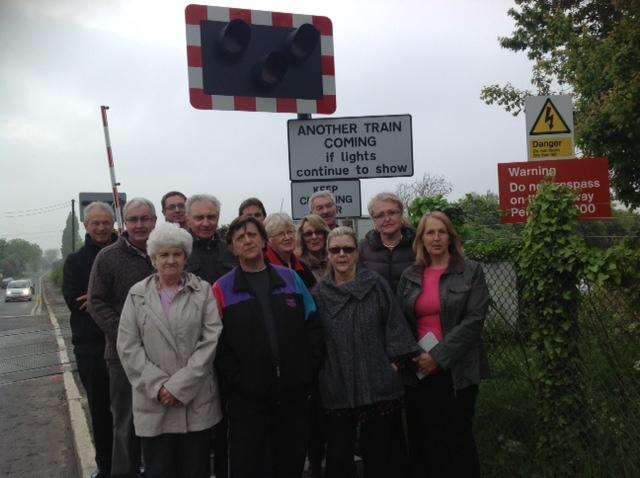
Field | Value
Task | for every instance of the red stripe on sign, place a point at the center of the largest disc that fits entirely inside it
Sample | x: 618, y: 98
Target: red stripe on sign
x: 323, y: 24
x: 327, y: 104
x: 244, y: 103
x: 328, y: 67
x: 194, y: 55
x: 286, y: 105
x: 280, y: 19
x: 199, y: 100
x: 240, y: 13
x: 194, y: 14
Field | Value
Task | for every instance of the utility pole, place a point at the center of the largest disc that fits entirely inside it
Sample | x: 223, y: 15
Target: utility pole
x: 112, y: 172
x: 73, y: 225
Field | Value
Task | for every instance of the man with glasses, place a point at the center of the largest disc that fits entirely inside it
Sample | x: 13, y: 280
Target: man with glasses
x: 387, y: 248
x: 253, y: 207
x: 116, y: 268
x: 323, y: 204
x: 87, y: 338
x: 173, y: 208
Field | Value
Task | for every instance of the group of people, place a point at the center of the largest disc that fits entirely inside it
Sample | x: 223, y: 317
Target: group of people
x: 276, y: 344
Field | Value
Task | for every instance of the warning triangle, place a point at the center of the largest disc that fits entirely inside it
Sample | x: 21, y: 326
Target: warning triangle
x: 549, y: 121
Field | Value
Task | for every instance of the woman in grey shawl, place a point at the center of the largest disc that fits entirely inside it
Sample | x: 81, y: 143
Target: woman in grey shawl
x: 367, y: 339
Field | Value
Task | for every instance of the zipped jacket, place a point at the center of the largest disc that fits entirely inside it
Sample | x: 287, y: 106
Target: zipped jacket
x: 245, y: 360
x: 210, y: 259
x: 174, y: 352
x: 464, y: 299
x: 388, y: 263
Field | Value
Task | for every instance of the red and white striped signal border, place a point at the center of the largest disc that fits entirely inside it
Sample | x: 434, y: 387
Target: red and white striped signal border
x: 195, y: 14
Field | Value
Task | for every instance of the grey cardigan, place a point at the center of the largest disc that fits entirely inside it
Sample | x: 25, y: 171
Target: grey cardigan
x: 464, y: 299
x: 364, y: 332
x: 176, y: 352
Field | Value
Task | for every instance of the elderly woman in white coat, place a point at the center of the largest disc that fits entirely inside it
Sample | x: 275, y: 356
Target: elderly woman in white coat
x: 168, y: 334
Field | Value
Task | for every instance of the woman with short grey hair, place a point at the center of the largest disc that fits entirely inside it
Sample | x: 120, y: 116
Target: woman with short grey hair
x: 387, y: 248
x: 281, y: 246
x: 167, y: 338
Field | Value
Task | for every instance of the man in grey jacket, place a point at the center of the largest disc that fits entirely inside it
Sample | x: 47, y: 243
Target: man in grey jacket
x: 115, y: 270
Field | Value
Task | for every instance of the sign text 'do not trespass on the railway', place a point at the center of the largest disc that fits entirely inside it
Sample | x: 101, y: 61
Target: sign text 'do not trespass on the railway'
x: 350, y: 148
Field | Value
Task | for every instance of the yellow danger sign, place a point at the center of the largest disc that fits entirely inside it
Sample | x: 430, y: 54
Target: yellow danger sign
x: 551, y: 148
x: 549, y: 121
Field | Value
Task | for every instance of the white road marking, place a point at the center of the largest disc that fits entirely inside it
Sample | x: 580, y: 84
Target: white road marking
x: 82, y: 438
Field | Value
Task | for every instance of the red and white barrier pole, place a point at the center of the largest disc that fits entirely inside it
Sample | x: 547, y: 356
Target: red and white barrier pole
x: 112, y: 172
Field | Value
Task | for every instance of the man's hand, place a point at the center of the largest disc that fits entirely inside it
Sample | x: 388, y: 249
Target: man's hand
x: 426, y: 363
x: 82, y: 302
x: 168, y: 400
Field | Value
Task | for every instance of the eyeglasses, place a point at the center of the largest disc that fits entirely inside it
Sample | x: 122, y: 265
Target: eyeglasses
x: 346, y: 249
x: 175, y: 207
x: 387, y: 215
x: 283, y: 234
x: 309, y: 234
x: 142, y: 219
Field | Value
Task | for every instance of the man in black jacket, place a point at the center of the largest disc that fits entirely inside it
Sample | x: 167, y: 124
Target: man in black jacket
x: 87, y: 338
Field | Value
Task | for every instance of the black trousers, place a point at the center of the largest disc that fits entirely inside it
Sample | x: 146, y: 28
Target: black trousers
x: 317, y: 438
x: 220, y: 448
x: 382, y: 445
x: 268, y: 439
x: 440, y: 428
x: 95, y: 380
x: 177, y: 454
x: 125, y: 457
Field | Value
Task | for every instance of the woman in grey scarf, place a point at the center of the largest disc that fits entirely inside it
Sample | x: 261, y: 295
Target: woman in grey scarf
x: 367, y: 339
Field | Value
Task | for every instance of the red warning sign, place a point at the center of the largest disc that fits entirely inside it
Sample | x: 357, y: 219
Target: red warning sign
x: 588, y: 177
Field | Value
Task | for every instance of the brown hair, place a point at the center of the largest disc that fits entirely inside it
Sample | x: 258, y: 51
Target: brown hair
x: 241, y: 222
x: 455, y: 246
x: 252, y: 202
x: 317, y: 223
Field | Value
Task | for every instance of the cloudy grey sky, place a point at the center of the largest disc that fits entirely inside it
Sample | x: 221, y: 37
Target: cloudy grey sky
x: 62, y: 59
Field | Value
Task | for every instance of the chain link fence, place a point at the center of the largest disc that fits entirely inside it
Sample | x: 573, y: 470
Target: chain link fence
x: 604, y: 436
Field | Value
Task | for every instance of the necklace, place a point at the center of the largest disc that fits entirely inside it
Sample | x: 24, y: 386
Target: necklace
x: 391, y: 245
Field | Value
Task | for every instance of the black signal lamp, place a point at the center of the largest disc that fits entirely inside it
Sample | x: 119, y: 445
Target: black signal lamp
x: 270, y: 71
x: 234, y: 38
x: 301, y: 43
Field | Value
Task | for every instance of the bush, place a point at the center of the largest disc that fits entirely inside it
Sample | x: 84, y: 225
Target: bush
x: 56, y: 275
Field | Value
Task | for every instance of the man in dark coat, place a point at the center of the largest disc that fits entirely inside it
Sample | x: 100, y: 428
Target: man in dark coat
x: 116, y: 268
x: 87, y: 338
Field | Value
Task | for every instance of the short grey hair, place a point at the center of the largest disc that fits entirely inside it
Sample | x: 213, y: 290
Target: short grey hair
x: 137, y: 202
x: 168, y: 234
x: 98, y: 205
x: 202, y: 197
x: 320, y: 194
x: 385, y: 197
x: 276, y: 221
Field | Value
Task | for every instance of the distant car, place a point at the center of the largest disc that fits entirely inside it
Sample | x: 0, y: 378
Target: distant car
x: 5, y: 282
x: 19, y: 290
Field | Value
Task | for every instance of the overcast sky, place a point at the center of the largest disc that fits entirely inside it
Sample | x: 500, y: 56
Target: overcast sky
x: 62, y: 59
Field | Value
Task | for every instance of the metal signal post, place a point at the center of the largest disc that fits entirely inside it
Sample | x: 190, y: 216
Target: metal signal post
x: 112, y: 173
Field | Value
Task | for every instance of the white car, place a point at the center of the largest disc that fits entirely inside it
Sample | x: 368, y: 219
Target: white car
x: 19, y: 290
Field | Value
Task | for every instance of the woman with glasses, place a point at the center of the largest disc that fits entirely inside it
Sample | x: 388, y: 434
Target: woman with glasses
x: 312, y: 239
x: 367, y: 339
x: 281, y: 246
x: 444, y: 298
x: 386, y: 249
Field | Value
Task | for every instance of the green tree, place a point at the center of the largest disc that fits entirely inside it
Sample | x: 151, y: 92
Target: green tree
x: 70, y: 243
x: 592, y: 49
x: 19, y: 257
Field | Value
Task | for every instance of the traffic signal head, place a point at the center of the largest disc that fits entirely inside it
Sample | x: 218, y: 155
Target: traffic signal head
x: 259, y: 61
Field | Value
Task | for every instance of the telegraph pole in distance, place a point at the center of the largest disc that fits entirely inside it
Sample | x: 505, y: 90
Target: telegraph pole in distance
x: 112, y: 172
x: 73, y: 225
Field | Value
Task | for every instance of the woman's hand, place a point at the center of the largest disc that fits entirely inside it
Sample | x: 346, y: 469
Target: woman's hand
x: 426, y: 363
x: 394, y: 366
x: 168, y: 400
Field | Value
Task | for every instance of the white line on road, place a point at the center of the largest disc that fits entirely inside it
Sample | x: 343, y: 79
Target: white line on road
x: 79, y: 425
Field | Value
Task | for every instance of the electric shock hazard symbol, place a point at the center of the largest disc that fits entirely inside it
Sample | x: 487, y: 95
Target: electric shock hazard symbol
x: 549, y: 121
